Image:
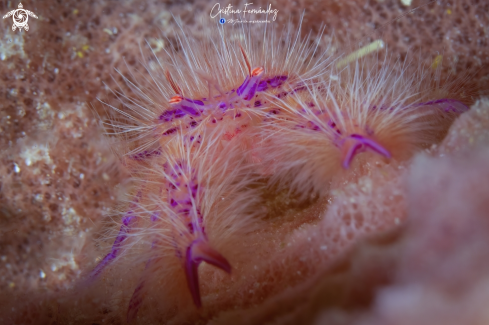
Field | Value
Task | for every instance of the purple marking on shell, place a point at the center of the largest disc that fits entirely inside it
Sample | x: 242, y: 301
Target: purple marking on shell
x: 170, y: 114
x: 146, y: 154
x: 190, y: 110
x: 277, y: 81
x: 283, y: 94
x: 166, y: 116
x: 182, y: 110
x: 193, y: 124
x: 262, y: 86
x: 178, y: 113
x: 301, y: 88
x: 195, y: 101
x: 170, y: 131
x: 190, y: 227
x: 332, y: 124
x: 195, y: 188
x: 154, y: 216
x: 313, y: 126
x: 184, y: 211
x: 257, y: 103
x: 382, y: 108
x: 128, y: 220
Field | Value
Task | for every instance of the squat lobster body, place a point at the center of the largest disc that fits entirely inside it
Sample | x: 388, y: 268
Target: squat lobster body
x: 199, y: 136
x: 194, y: 147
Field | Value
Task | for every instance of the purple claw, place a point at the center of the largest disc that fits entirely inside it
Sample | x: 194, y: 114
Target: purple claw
x: 197, y: 252
x: 127, y: 223
x: 360, y: 144
x: 352, y: 151
x: 372, y: 145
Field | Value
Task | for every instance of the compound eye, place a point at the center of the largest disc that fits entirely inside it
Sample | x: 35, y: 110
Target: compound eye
x: 175, y: 99
x: 257, y: 71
